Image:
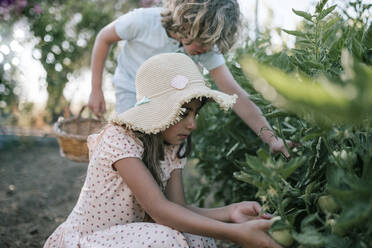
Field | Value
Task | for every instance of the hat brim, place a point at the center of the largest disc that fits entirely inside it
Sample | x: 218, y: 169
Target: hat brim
x: 164, y: 111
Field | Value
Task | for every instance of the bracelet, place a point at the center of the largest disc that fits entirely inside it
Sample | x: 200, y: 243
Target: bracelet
x: 266, y: 129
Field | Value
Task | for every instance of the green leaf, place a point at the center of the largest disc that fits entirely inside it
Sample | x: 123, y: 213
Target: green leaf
x: 303, y: 44
x: 310, y: 237
x: 320, y: 5
x: 314, y: 64
x: 308, y: 220
x: 312, y: 136
x: 299, y: 89
x: 245, y: 177
x: 276, y: 113
x: 232, y: 149
x: 281, y: 61
x: 357, y: 48
x: 303, y: 14
x: 325, y: 12
x: 367, y: 38
x: 328, y: 34
x: 295, y: 33
x: 356, y: 215
x: 289, y: 168
x: 254, y: 163
x: 263, y: 155
x: 279, y: 224
x: 330, y: 23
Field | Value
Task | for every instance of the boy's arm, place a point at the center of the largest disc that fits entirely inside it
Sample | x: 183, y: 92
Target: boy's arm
x: 105, y: 38
x: 248, y: 110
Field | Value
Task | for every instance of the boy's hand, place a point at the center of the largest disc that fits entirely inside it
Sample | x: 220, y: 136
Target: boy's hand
x: 245, y: 211
x: 97, y: 102
x: 277, y: 145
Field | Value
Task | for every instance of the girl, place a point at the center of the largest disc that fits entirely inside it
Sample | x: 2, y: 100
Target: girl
x: 135, y: 170
x: 202, y: 29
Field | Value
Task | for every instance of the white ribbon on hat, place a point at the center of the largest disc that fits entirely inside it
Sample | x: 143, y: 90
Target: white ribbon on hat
x: 179, y: 82
x: 142, y: 101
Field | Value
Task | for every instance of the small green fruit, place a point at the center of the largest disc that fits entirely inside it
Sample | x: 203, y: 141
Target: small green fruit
x: 282, y: 237
x: 327, y: 204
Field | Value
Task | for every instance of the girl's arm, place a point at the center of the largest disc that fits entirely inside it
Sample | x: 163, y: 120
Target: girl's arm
x: 148, y: 194
x: 105, y: 38
x: 236, y: 213
x: 175, y: 193
x: 248, y: 110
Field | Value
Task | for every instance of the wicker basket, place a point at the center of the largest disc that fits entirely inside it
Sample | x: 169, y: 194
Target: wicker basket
x: 72, y: 136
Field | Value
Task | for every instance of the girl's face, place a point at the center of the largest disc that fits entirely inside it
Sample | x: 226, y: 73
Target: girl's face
x: 178, y: 133
x: 195, y: 48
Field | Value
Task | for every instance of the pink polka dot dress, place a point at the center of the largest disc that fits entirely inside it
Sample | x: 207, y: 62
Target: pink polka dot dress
x: 107, y: 213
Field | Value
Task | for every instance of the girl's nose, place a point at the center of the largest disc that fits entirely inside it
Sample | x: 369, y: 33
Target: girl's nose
x: 191, y: 122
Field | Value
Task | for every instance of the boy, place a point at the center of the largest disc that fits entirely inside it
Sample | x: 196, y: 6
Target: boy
x: 202, y: 29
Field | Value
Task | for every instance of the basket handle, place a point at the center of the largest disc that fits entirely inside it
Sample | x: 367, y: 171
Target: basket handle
x: 81, y: 111
x: 100, y: 117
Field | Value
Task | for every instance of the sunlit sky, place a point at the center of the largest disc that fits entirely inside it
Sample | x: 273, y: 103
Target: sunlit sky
x: 77, y: 90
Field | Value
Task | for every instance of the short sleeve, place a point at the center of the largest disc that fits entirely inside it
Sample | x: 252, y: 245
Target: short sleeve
x: 171, y: 162
x: 212, y: 59
x: 128, y: 26
x: 118, y: 143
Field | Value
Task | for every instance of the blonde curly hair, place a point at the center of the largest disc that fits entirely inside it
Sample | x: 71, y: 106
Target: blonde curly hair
x: 211, y: 22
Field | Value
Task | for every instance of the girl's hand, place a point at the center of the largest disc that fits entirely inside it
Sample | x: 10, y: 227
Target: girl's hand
x: 245, y: 211
x: 253, y: 234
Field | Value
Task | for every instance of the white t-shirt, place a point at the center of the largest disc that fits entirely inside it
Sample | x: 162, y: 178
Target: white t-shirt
x: 144, y: 36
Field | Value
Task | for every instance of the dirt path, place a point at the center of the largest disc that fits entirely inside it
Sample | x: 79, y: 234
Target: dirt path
x: 38, y: 189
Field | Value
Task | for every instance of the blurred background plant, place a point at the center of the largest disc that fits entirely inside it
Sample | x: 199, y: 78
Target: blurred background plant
x: 62, y: 35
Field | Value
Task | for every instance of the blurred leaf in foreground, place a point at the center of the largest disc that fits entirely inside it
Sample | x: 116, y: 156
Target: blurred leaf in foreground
x: 321, y: 100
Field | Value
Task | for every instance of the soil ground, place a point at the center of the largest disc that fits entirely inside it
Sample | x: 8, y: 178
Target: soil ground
x: 38, y: 189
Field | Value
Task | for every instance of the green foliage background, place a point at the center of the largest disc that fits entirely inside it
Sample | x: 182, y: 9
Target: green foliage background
x: 318, y: 94
x: 64, y: 33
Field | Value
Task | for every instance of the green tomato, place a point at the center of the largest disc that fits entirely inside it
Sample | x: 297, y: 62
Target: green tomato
x: 327, y: 204
x: 282, y: 237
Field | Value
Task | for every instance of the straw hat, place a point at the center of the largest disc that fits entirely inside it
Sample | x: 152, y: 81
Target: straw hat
x: 164, y: 83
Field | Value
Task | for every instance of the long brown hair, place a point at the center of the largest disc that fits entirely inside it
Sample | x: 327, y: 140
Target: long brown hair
x: 153, y: 152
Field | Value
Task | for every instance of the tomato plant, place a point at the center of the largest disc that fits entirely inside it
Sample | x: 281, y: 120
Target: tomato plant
x: 320, y: 95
